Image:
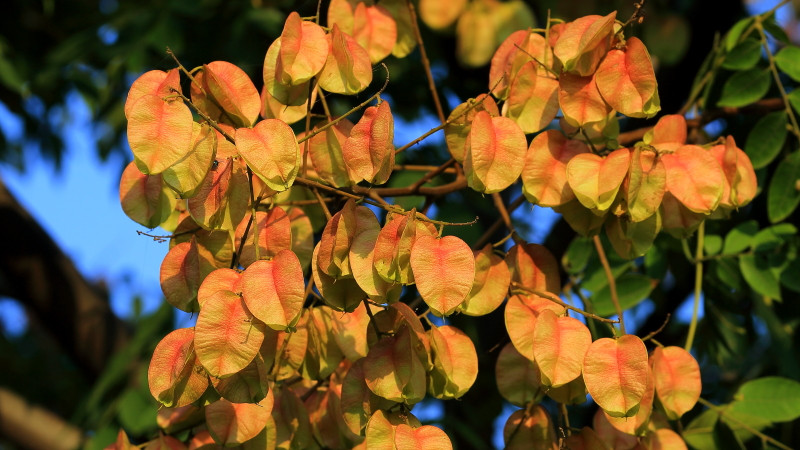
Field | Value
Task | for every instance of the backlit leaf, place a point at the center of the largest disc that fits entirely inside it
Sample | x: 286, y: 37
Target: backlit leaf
x: 369, y: 150
x: 304, y: 50
x: 460, y: 122
x: 274, y: 234
x: 610, y: 435
x: 232, y: 89
x: 455, y: 362
x: 291, y: 420
x: 439, y: 14
x: 595, y: 180
x: 393, y: 371
x: 495, y: 149
x: 517, y: 377
x: 615, y: 373
x: 350, y: 332
x: 532, y: 98
x: 572, y: 393
x: 475, y: 32
x: 580, y: 100
x: 627, y: 82
x: 325, y: 152
x: 156, y: 82
x: 175, y: 376
x: 248, y: 385
x: 443, y: 270
x: 273, y: 290
x: 544, y: 175
x: 159, y: 132
x: 694, y: 178
x: 637, y: 424
x: 406, y: 41
x: 632, y: 239
x: 392, y: 251
x: 227, y: 336
x: 668, y: 134
x: 740, y: 179
x: 520, y: 317
x: 219, y: 280
x: 490, y: 286
x: 361, y: 257
x: 645, y: 185
x: 187, y: 173
x: 322, y: 353
x: 182, y: 271
x: 375, y: 30
x: 530, y: 428
x: 144, y: 198
x: 583, y: 43
x: 271, y: 150
x: 272, y: 108
x: 282, y: 93
x: 342, y: 294
x: 559, y: 346
x: 676, y: 377
x: 348, y: 69
x: 358, y: 402
x: 234, y: 423
x: 221, y: 199
x: 426, y: 436
x: 677, y: 219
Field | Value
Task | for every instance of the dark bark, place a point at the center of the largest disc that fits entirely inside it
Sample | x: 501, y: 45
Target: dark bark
x: 34, y: 271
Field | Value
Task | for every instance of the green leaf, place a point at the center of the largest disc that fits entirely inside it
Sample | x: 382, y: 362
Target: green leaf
x: 783, y: 195
x: 712, y: 244
x: 732, y: 38
x: 773, y: 237
x: 740, y: 237
x: 632, y: 288
x: 700, y: 432
x: 775, y: 30
x: 788, y: 60
x: 577, y: 256
x: 137, y: 412
x: 655, y: 262
x: 775, y: 399
x: 745, y: 87
x: 794, y: 99
x: 789, y: 276
x: 667, y: 38
x: 766, y: 139
x: 744, y: 56
x: 757, y: 271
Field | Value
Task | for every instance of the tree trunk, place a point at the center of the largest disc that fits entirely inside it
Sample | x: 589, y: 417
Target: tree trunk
x: 34, y: 271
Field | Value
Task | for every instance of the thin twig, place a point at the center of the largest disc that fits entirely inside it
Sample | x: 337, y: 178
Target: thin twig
x: 351, y: 111
x: 430, y: 175
x: 723, y: 412
x: 698, y: 286
x: 612, y: 283
x: 425, y: 62
x: 658, y: 330
x: 504, y: 214
x: 497, y: 224
x: 555, y: 299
